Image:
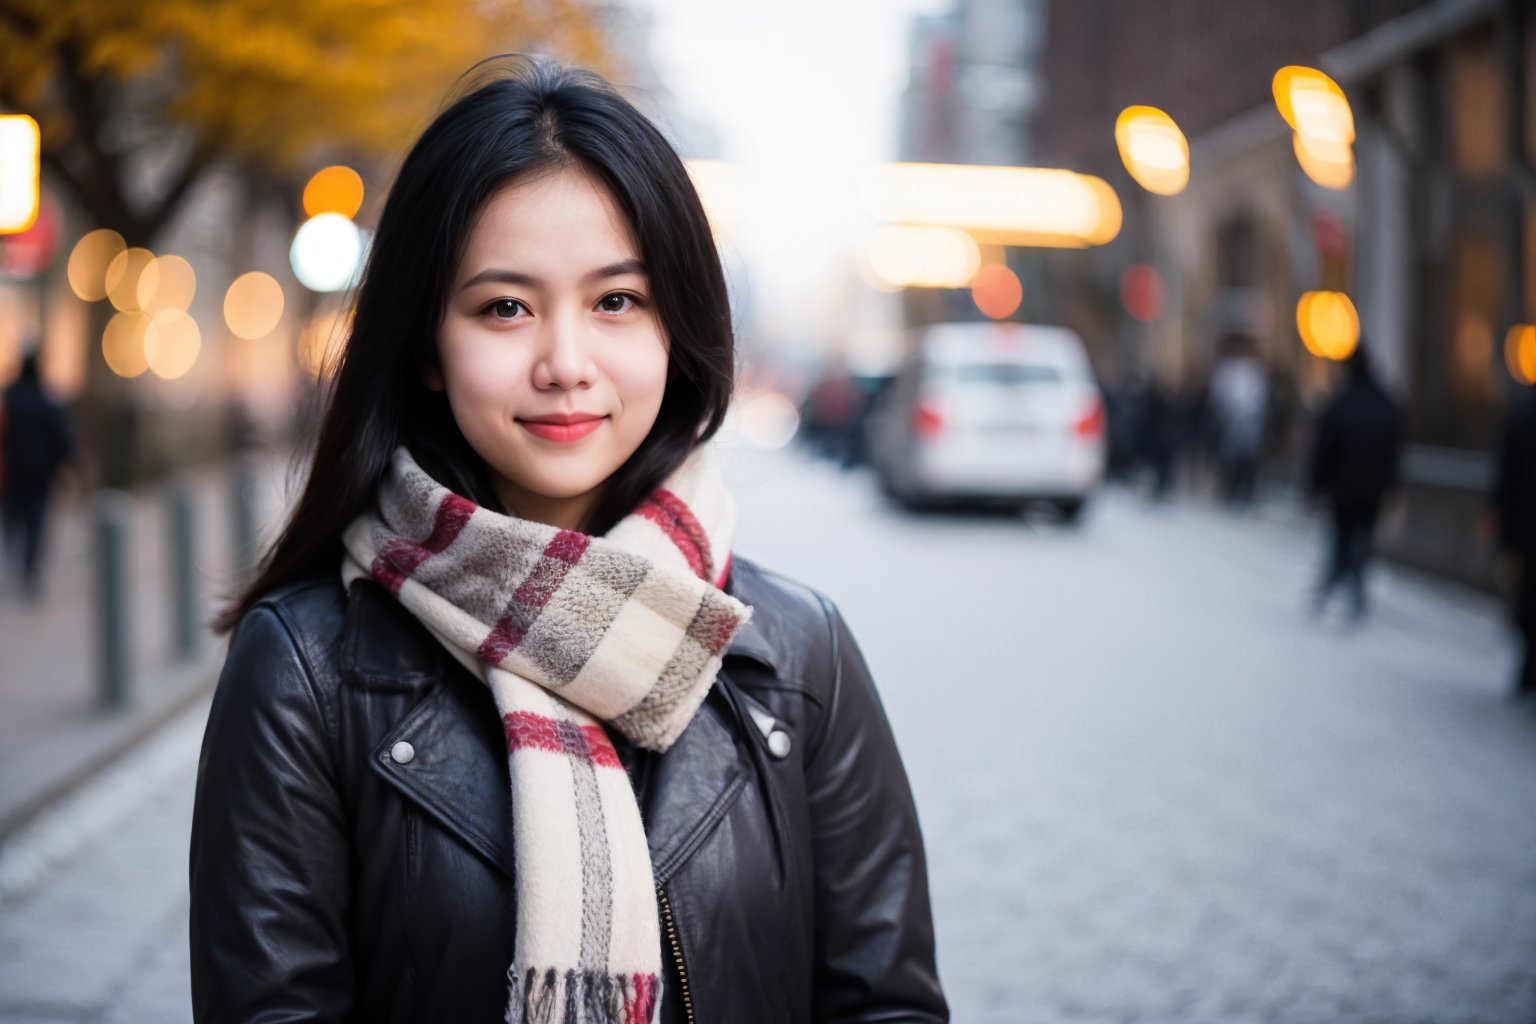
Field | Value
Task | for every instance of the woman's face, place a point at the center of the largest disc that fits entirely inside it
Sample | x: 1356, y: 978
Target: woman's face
x: 550, y: 350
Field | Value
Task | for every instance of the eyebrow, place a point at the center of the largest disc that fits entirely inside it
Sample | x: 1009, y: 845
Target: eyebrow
x: 503, y: 276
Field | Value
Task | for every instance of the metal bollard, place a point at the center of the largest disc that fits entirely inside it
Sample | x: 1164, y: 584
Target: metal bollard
x: 243, y: 510
x: 182, y: 544
x: 113, y: 515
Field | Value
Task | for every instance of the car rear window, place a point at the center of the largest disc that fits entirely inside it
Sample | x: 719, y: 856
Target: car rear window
x: 998, y: 373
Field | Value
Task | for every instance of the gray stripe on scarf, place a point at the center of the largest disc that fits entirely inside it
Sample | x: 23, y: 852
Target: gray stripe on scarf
x: 647, y: 721
x: 596, y: 866
x: 561, y: 640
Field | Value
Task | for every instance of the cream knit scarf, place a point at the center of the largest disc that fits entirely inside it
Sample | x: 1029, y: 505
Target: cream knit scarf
x: 571, y: 633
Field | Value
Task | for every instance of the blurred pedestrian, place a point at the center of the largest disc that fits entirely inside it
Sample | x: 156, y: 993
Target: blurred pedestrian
x: 505, y: 731
x: 1239, y: 403
x: 1354, y: 470
x: 1513, y: 505
x: 38, y: 442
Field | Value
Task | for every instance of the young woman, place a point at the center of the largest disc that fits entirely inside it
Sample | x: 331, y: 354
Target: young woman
x: 504, y: 731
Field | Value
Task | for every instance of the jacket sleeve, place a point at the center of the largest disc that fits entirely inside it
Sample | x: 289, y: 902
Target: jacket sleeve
x: 874, y: 925
x: 269, y: 859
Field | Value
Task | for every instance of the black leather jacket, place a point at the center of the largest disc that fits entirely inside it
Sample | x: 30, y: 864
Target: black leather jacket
x: 332, y: 882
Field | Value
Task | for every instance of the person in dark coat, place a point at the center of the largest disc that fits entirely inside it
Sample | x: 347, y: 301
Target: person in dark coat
x: 1513, y: 502
x: 1354, y: 469
x: 38, y: 442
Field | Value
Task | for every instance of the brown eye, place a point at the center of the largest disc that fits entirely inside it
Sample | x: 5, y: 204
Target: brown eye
x: 616, y: 302
x: 505, y: 309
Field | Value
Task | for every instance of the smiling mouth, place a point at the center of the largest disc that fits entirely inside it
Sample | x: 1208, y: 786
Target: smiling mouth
x: 563, y: 428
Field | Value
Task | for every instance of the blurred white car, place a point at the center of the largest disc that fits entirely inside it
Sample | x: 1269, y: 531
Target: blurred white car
x: 995, y: 413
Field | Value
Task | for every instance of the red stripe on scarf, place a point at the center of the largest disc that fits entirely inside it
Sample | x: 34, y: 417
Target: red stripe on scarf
x: 398, y: 559
x: 527, y: 730
x: 677, y: 521
x: 564, y: 551
x: 639, y: 1011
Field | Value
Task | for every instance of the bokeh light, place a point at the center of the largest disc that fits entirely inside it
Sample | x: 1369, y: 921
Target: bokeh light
x: 20, y: 170
x: 1006, y: 205
x: 1319, y: 113
x: 1153, y: 149
x: 1328, y: 324
x: 123, y: 343
x: 997, y: 292
x: 721, y: 189
x: 1330, y: 164
x: 253, y: 305
x: 1141, y: 291
x: 123, y: 275
x: 1313, y: 104
x: 910, y: 257
x: 169, y: 282
x: 172, y: 343
x: 327, y: 253
x: 768, y: 420
x: 1520, y: 353
x: 88, y: 262
x: 337, y: 189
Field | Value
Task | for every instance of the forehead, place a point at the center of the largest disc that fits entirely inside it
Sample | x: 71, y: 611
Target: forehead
x: 566, y: 220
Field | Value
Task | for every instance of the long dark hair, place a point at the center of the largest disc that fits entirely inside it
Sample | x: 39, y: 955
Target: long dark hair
x: 518, y: 116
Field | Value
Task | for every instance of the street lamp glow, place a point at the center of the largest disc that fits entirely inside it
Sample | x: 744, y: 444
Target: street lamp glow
x: 1328, y: 324
x: 89, y: 260
x: 1313, y: 104
x: 1031, y: 206
x: 1520, y: 353
x: 253, y: 305
x: 122, y: 345
x: 327, y: 253
x: 910, y: 257
x: 997, y: 291
x: 337, y: 189
x: 169, y: 282
x: 123, y: 276
x: 172, y: 343
x: 20, y: 172
x: 1153, y: 149
x: 1330, y: 164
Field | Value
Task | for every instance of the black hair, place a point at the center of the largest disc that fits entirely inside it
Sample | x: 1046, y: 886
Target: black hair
x: 517, y: 117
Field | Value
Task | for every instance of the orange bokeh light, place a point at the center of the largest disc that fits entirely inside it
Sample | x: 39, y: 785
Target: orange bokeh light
x: 997, y: 292
x: 337, y: 189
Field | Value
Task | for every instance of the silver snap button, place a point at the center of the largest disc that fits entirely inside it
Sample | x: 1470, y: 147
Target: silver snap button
x: 779, y: 743
x: 402, y: 752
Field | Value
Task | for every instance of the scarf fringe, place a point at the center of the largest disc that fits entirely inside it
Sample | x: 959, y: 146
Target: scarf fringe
x: 581, y: 997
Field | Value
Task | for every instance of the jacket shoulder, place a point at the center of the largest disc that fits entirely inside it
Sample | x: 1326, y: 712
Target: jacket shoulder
x: 310, y: 612
x: 793, y: 630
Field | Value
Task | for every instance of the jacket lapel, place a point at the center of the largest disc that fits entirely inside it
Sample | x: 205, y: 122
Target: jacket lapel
x: 457, y: 768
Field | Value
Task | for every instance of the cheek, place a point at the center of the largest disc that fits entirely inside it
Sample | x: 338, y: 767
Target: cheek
x: 642, y: 376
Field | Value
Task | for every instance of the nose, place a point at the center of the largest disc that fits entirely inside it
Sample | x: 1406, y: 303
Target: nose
x: 564, y: 362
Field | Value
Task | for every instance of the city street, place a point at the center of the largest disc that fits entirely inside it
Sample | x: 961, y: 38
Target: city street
x: 1153, y: 788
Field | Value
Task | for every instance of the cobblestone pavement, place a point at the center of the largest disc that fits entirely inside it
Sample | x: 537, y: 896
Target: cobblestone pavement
x: 1153, y: 789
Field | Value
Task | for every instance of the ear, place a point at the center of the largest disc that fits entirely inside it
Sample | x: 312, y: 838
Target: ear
x: 432, y: 375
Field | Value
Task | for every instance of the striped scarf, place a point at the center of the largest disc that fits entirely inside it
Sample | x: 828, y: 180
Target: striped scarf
x: 570, y: 632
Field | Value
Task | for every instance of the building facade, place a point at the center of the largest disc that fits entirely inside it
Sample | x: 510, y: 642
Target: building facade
x: 1434, y: 239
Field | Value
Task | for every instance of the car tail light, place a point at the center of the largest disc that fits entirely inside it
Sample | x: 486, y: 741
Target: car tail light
x: 927, y: 419
x: 1091, y: 422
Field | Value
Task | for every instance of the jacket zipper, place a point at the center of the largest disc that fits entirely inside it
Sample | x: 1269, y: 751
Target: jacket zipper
x: 677, y: 952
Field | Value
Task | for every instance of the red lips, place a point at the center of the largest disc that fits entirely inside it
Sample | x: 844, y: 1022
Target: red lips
x: 562, y: 427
